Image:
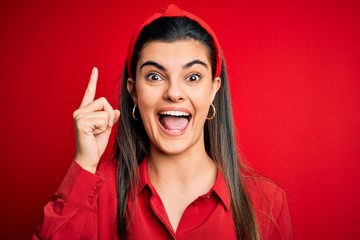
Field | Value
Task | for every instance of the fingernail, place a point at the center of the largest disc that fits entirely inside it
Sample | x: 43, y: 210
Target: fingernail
x: 93, y: 70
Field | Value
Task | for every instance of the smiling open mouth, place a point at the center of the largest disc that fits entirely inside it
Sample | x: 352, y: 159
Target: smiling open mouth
x: 174, y: 121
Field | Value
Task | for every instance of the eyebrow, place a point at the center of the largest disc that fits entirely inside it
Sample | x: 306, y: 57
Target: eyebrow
x: 162, y: 68
x: 196, y: 61
x: 152, y: 63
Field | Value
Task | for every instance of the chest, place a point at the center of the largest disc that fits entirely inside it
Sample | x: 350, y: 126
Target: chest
x: 204, y: 218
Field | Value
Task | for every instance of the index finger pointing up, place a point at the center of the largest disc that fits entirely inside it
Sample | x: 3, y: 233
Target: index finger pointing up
x: 91, y: 88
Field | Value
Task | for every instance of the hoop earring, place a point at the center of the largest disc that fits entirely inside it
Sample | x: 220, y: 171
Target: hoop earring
x: 133, y: 113
x: 213, y: 114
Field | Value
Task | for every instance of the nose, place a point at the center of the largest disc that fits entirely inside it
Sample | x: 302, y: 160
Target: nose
x: 174, y: 92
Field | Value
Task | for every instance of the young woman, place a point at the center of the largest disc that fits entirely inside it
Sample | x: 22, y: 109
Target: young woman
x: 176, y: 173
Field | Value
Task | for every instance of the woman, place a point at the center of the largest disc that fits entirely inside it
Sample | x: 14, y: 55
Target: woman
x: 176, y: 172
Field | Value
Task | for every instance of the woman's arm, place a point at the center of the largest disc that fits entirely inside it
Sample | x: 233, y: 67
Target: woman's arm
x: 72, y: 212
x: 271, y: 208
x: 282, y: 226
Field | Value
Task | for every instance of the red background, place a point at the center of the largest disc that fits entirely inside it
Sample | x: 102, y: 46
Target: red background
x: 294, y: 71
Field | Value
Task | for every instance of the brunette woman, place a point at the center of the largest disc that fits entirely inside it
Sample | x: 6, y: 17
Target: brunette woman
x: 176, y: 173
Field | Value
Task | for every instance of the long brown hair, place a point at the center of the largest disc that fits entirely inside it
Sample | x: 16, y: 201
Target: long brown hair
x: 132, y: 143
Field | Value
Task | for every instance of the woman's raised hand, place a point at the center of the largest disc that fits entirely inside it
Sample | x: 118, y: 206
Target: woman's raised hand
x: 93, y: 123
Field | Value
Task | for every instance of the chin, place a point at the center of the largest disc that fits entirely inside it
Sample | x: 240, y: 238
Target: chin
x: 172, y: 147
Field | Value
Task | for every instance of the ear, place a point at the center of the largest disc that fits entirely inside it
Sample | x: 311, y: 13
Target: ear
x: 216, y: 84
x: 130, y: 85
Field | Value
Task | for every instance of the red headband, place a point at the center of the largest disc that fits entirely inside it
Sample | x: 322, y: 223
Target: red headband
x: 174, y: 11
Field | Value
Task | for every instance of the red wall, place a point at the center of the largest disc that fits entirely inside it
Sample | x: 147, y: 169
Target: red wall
x: 294, y: 70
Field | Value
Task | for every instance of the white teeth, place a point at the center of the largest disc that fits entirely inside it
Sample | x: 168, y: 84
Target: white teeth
x: 175, y: 113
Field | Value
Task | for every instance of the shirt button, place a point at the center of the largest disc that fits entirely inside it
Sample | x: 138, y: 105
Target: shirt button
x: 91, y: 201
x: 208, y: 196
x: 98, y: 185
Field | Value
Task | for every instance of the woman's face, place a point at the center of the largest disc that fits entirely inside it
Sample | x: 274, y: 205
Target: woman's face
x: 174, y: 90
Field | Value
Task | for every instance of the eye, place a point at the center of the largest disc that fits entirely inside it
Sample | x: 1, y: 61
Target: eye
x: 154, y: 77
x: 194, y: 77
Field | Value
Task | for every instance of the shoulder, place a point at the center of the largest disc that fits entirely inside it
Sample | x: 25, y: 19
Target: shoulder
x: 261, y: 190
x: 266, y: 196
x: 107, y: 165
x: 107, y: 168
x: 270, y: 206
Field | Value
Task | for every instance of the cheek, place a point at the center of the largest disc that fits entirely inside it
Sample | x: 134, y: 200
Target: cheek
x: 201, y: 96
x: 201, y: 101
x: 147, y: 99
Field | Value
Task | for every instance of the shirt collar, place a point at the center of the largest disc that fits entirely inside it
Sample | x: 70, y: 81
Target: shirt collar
x: 144, y: 175
x: 220, y: 187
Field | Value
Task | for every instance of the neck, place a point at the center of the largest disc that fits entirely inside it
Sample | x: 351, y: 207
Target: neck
x: 182, y: 168
x: 180, y: 178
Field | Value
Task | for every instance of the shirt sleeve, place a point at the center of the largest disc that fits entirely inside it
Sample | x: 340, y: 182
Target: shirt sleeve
x: 283, y: 227
x: 271, y: 208
x: 72, y: 212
